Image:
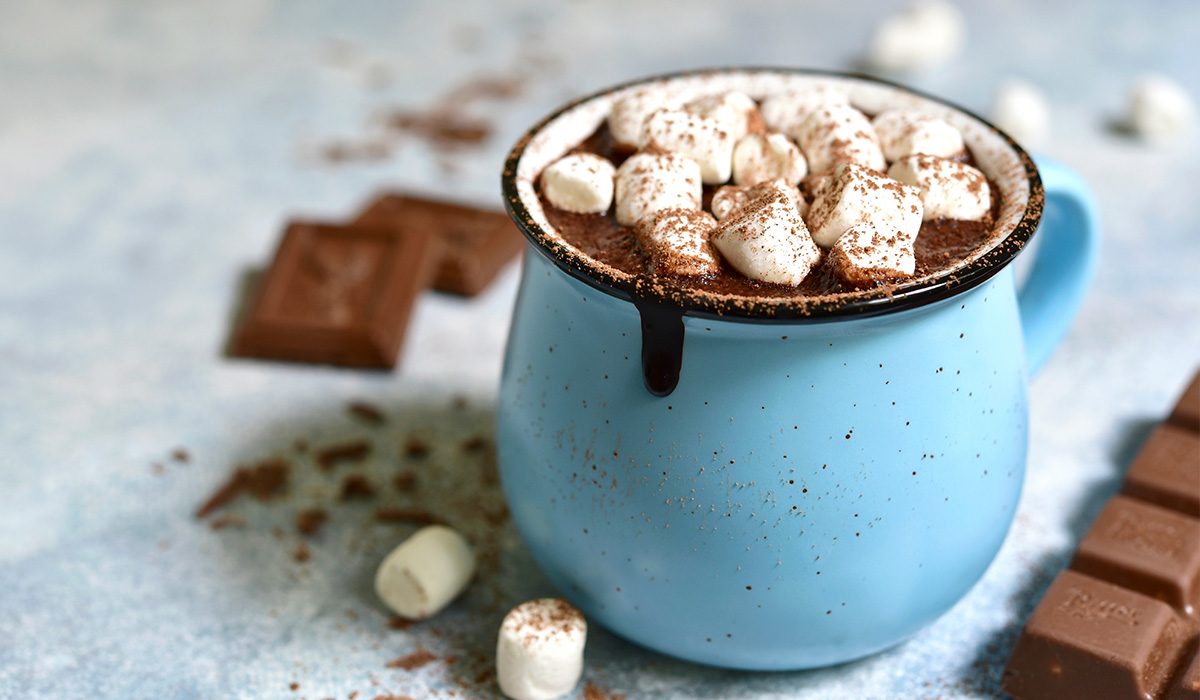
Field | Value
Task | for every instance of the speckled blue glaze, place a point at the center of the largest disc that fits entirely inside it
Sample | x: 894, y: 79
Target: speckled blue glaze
x: 810, y: 493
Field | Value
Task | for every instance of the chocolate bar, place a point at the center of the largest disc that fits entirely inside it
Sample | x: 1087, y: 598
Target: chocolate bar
x: 338, y: 295
x: 1123, y: 621
x: 476, y: 243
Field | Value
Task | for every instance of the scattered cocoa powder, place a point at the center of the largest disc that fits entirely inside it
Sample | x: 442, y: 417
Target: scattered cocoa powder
x: 181, y: 455
x: 416, y: 447
x: 225, y: 521
x: 356, y: 486
x: 396, y: 622
x: 366, y: 412
x: 406, y: 481
x: 302, y: 553
x: 414, y: 515
x: 309, y: 522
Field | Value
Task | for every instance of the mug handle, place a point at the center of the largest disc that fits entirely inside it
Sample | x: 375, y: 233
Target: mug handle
x: 1064, y: 264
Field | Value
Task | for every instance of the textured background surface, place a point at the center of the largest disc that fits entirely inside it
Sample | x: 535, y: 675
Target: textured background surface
x: 149, y: 155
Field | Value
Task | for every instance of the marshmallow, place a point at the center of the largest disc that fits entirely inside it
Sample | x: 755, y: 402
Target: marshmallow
x: 1159, y: 108
x: 839, y: 134
x: 1021, y: 111
x: 580, y: 183
x: 767, y: 240
x: 730, y: 199
x: 704, y: 139
x: 948, y: 189
x: 426, y: 572
x: 903, y: 133
x: 786, y: 111
x: 923, y: 34
x: 628, y: 114
x: 758, y: 158
x: 539, y: 655
x: 736, y: 111
x: 676, y: 241
x: 653, y: 180
x: 872, y: 251
x: 855, y: 194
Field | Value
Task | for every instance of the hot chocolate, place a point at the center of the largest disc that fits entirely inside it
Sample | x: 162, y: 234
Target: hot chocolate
x: 739, y: 149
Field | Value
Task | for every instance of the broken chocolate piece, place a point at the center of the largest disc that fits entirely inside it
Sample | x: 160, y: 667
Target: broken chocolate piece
x: 476, y: 243
x: 264, y: 481
x: 338, y: 295
x: 1186, y: 413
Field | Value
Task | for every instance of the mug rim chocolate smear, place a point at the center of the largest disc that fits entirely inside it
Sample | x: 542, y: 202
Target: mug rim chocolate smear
x: 1013, y: 230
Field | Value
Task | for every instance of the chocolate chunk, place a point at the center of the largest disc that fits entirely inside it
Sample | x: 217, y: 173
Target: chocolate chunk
x: 1147, y: 549
x: 354, y: 451
x: 1167, y: 471
x: 337, y: 295
x: 1187, y: 412
x: 476, y: 243
x: 1089, y: 639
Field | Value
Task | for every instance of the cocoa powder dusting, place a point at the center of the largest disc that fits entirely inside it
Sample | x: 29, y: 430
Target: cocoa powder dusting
x: 414, y: 660
x: 263, y: 481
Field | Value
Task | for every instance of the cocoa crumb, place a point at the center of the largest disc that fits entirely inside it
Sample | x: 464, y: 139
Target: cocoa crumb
x: 227, y: 521
x: 412, y: 661
x: 263, y: 481
x: 302, y: 553
x: 406, y: 482
x: 354, y: 451
x: 309, y: 522
x: 414, y: 515
x: 395, y: 622
x: 416, y: 447
x: 294, y: 686
x: 181, y: 455
x: 356, y: 486
x: 366, y: 412
x: 475, y: 443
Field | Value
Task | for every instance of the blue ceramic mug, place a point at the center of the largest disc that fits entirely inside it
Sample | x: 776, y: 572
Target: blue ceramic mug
x: 778, y: 485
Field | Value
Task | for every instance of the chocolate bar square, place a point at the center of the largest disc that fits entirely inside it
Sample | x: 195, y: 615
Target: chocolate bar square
x: 1186, y: 413
x: 476, y: 243
x: 338, y: 295
x: 1167, y: 470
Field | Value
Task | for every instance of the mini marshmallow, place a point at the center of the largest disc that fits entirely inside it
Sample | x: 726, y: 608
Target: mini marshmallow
x: 948, y: 189
x: 761, y: 157
x: 628, y: 114
x: 581, y: 183
x: 1159, y: 108
x: 676, y: 241
x: 1021, y: 111
x: 767, y: 240
x: 903, y: 133
x: 924, y: 34
x: 704, y: 139
x: 786, y: 111
x: 426, y: 572
x: 840, y: 134
x: 539, y: 655
x: 856, y: 194
x: 652, y: 180
x: 736, y: 111
x: 872, y: 251
x: 730, y: 199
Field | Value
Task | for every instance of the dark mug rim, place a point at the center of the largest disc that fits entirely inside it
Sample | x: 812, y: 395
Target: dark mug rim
x: 884, y: 300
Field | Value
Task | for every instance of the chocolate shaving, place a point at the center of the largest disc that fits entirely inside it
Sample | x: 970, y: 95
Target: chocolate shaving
x: 389, y: 514
x: 264, y: 481
x: 411, y: 661
x: 406, y: 482
x: 309, y: 522
x: 330, y: 457
x: 356, y: 486
x: 366, y: 412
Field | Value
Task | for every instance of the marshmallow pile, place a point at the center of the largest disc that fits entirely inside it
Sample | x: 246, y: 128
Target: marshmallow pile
x: 869, y: 182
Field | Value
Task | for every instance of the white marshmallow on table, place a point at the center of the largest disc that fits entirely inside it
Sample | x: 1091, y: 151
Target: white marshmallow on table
x: 730, y: 199
x: 855, y: 194
x: 836, y: 134
x: 652, y: 180
x: 904, y: 132
x: 1159, y: 108
x: 873, y: 251
x: 948, y: 189
x: 628, y: 114
x: 1021, y: 111
x: 539, y: 654
x: 786, y: 111
x: 737, y: 111
x: 704, y: 139
x: 581, y: 183
x: 676, y: 241
x: 426, y: 572
x: 767, y: 240
x: 761, y: 157
x: 923, y: 34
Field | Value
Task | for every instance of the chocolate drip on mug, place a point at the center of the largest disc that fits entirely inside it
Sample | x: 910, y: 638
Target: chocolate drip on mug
x: 662, y: 346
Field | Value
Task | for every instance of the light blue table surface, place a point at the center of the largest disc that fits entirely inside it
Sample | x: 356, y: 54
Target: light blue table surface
x: 149, y: 155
